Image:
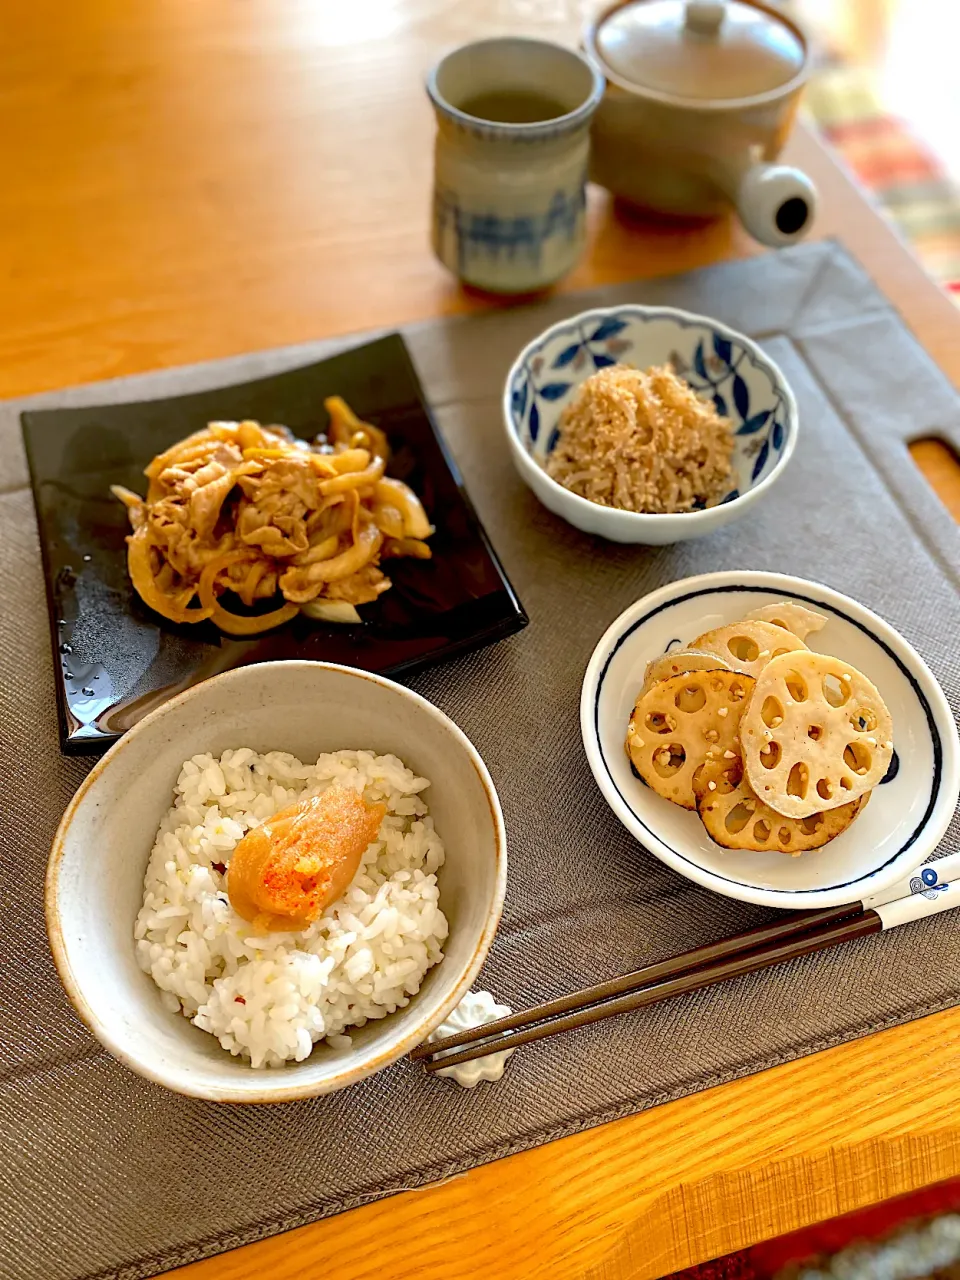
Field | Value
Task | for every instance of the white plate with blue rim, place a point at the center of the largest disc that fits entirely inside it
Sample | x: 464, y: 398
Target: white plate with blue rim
x: 909, y: 811
x: 719, y: 363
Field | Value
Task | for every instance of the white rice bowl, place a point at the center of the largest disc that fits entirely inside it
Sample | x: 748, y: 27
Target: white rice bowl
x: 269, y: 998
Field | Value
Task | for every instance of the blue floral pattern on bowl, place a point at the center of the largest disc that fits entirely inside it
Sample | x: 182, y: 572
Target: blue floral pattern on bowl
x: 714, y: 360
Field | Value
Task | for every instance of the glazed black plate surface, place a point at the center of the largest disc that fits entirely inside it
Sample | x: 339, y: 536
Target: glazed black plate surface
x: 116, y: 660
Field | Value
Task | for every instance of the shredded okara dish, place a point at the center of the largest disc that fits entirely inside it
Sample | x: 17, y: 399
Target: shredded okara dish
x: 642, y: 441
x: 250, y: 509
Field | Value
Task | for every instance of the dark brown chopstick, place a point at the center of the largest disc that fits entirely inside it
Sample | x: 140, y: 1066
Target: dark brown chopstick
x: 748, y: 952
x: 788, y: 927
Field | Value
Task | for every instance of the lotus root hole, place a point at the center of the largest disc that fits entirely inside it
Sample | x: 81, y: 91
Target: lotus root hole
x: 771, y: 713
x: 836, y: 690
x: 824, y: 789
x: 856, y: 756
x: 716, y: 684
x: 690, y: 698
x: 779, y: 622
x: 669, y: 760
x: 743, y: 648
x: 812, y: 824
x: 657, y: 722
x: 863, y: 720
x: 770, y: 755
x: 796, y: 686
x: 815, y: 732
x: 797, y: 780
x: 783, y: 835
x: 761, y: 831
x: 738, y: 817
x: 846, y: 783
x: 738, y: 691
x: 779, y: 652
x: 697, y: 775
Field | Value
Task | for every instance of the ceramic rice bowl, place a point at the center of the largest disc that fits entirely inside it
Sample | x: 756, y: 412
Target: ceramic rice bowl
x: 95, y: 877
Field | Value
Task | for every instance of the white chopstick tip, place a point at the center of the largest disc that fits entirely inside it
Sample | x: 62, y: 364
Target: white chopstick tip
x: 924, y: 880
x: 929, y: 895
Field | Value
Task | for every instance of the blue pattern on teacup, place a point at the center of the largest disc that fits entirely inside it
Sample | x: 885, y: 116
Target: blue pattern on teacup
x: 488, y: 234
x: 719, y: 367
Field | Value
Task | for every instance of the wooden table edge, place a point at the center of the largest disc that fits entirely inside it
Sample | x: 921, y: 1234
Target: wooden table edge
x: 639, y: 1197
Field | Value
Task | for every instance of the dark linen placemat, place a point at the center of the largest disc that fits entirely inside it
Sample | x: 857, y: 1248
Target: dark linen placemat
x: 103, y: 1174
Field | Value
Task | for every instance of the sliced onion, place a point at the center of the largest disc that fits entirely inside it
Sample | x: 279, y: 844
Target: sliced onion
x: 388, y: 520
x: 342, y: 566
x: 251, y: 582
x: 323, y: 550
x: 353, y: 479
x: 216, y: 566
x: 398, y: 547
x: 346, y: 425
x: 322, y: 464
x: 350, y: 460
x: 236, y: 625
x: 145, y: 584
x: 394, y: 493
x: 331, y: 611
x: 126, y: 496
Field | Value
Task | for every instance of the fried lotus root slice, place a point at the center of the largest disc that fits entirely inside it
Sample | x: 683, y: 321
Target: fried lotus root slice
x: 735, y: 818
x: 796, y: 618
x: 748, y: 646
x: 681, y: 660
x: 681, y: 723
x: 817, y: 734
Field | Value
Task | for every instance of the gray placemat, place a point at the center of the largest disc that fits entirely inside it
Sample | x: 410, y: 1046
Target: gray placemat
x: 103, y: 1174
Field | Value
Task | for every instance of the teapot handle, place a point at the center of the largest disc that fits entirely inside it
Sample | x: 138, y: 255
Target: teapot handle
x: 776, y: 203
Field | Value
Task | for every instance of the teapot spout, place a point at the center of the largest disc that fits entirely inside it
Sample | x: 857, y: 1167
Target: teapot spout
x: 776, y: 203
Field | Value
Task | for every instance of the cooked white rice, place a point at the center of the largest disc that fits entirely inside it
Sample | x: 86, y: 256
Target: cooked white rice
x: 270, y: 997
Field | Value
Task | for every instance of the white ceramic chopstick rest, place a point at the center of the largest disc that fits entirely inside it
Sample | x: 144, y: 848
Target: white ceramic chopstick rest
x: 474, y: 1010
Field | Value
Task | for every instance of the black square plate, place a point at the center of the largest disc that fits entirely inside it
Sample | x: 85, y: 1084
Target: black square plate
x: 116, y: 660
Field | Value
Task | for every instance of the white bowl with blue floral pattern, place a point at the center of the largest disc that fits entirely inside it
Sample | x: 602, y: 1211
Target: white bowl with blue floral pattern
x: 720, y: 364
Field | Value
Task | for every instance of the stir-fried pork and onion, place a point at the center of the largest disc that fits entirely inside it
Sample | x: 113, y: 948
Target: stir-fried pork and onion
x: 250, y: 509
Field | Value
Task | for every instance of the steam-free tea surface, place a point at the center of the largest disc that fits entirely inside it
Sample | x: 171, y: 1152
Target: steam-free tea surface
x: 513, y: 106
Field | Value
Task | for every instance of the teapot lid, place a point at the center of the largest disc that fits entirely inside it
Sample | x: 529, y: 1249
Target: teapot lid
x: 698, y: 50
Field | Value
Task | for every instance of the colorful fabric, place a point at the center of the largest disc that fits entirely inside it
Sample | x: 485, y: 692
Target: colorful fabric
x: 905, y: 176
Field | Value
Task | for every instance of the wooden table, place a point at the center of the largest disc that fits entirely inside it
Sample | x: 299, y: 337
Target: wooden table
x: 188, y: 180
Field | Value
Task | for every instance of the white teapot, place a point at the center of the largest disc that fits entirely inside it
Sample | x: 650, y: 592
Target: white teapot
x: 700, y: 99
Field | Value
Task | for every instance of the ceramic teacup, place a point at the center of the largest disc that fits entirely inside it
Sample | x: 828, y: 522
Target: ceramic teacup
x: 513, y: 118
